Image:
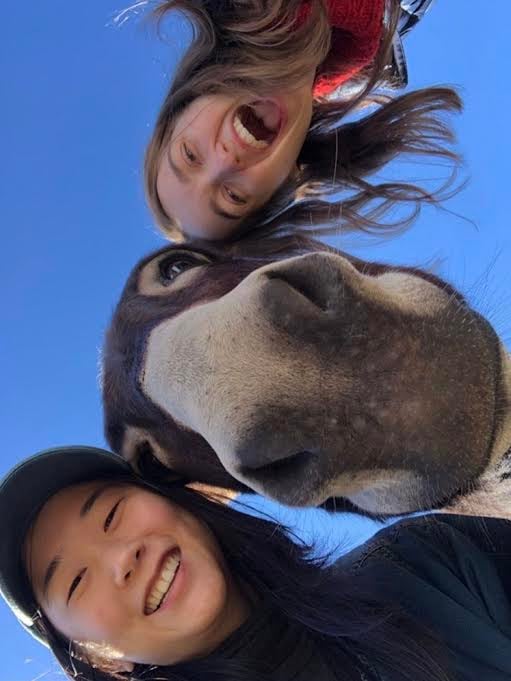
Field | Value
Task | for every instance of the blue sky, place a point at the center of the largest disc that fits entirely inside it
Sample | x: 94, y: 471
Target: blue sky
x: 80, y: 93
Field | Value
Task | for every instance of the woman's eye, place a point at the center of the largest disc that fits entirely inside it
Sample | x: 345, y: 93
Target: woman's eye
x: 111, y: 516
x: 234, y: 197
x: 189, y: 155
x: 172, y: 267
x: 74, y: 584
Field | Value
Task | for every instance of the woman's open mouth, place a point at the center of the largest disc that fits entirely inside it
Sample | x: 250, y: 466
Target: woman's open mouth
x: 258, y: 123
x: 163, y: 581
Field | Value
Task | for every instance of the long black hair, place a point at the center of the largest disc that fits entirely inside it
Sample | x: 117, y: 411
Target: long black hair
x: 331, y: 610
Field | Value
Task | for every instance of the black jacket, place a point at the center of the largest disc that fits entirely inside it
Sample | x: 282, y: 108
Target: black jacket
x: 450, y: 573
x: 453, y: 573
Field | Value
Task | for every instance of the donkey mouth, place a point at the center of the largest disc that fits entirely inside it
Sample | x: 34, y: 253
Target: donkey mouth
x: 258, y: 123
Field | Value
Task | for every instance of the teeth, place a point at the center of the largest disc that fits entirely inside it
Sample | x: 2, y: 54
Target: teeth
x: 247, y: 136
x: 162, y: 584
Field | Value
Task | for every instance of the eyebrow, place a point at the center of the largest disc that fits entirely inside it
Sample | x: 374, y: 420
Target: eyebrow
x: 48, y: 575
x: 57, y: 560
x: 92, y: 498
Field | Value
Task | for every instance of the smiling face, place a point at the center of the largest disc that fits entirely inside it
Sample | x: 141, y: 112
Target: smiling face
x: 119, y: 566
x: 314, y: 376
x: 227, y: 156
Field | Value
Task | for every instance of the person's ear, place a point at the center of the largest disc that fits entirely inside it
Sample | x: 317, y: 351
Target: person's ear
x: 102, y: 656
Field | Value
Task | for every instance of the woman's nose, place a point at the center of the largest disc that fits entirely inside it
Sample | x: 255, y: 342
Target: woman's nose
x: 227, y: 158
x: 124, y: 559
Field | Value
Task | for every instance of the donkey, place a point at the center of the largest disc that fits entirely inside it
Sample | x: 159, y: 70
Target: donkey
x: 303, y: 373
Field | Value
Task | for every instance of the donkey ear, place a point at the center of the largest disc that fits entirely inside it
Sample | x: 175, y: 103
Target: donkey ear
x: 146, y: 456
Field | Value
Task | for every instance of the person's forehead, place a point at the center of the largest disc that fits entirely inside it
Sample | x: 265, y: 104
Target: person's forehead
x: 186, y: 117
x: 70, y: 504
x: 63, y: 504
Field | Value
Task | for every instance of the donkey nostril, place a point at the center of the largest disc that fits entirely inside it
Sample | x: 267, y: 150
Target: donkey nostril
x: 137, y: 554
x: 293, y: 464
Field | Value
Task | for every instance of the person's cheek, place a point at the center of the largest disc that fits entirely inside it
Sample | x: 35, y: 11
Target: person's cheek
x: 105, y: 618
x: 276, y: 174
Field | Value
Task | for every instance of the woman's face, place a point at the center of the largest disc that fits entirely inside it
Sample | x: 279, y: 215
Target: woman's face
x: 227, y: 156
x: 116, y: 565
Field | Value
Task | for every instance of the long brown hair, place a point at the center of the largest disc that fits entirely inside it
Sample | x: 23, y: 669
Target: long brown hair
x: 333, y: 190
x: 250, y: 46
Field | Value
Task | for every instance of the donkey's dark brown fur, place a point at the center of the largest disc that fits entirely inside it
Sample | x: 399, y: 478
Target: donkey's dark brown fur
x: 302, y: 373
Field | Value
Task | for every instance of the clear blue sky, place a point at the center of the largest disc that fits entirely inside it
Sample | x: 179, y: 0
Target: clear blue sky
x: 78, y: 99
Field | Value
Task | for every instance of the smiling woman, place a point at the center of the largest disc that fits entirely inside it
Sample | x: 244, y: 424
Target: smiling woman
x: 131, y: 579
x: 186, y: 603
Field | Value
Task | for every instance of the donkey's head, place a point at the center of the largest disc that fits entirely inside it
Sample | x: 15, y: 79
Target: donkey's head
x: 305, y: 377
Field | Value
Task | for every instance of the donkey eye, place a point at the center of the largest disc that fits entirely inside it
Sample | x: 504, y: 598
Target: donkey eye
x: 171, y: 267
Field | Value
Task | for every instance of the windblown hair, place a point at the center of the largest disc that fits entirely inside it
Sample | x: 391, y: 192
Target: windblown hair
x: 255, y: 46
x: 334, y: 610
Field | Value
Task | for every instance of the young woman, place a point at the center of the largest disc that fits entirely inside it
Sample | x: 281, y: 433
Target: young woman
x: 253, y: 125
x: 131, y: 579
